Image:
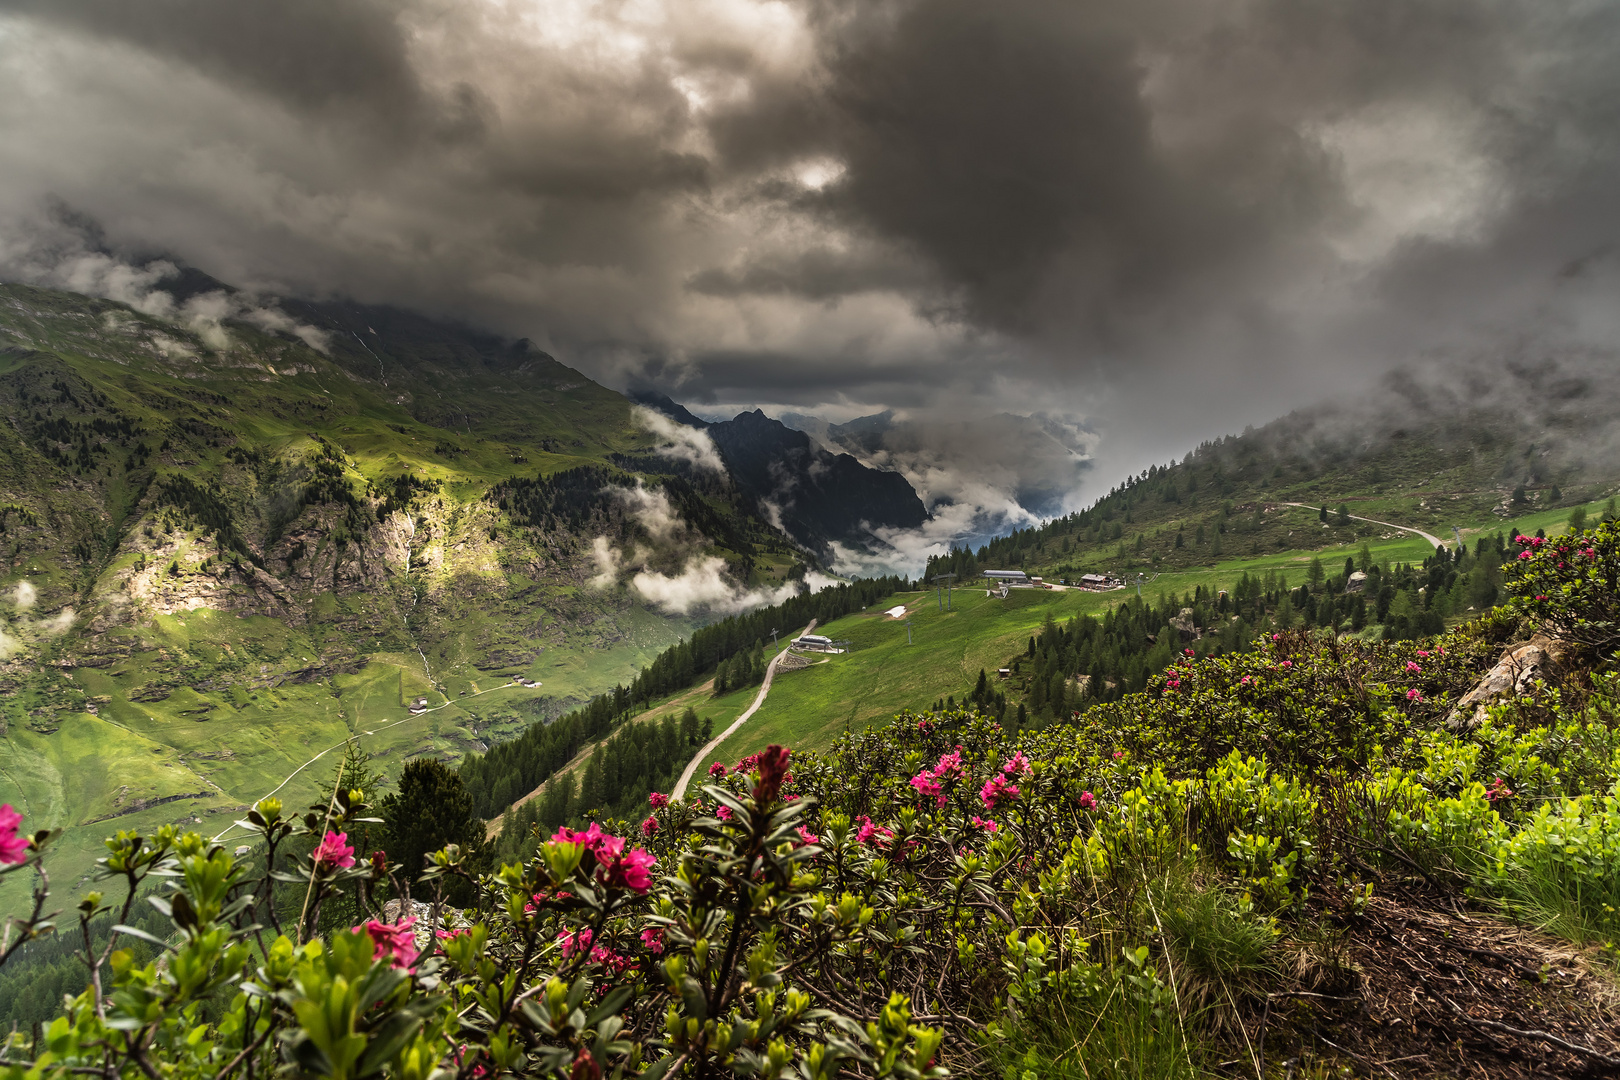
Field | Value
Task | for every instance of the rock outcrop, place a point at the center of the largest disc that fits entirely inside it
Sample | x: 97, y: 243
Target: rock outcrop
x: 1541, y: 658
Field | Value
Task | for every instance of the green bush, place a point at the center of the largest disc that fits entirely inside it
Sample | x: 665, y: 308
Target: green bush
x: 1571, y: 585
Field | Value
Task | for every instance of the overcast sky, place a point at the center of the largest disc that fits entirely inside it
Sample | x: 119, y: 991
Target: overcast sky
x: 1164, y: 219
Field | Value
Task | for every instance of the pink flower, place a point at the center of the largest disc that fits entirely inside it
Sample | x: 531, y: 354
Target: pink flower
x: 543, y: 897
x: 649, y: 826
x: 723, y: 812
x: 1414, y: 694
x: 653, y: 938
x: 772, y: 763
x: 1118, y: 754
x: 717, y: 769
x: 924, y: 725
x: 632, y: 870
x: 1498, y: 790
x: 997, y: 790
x: 607, y: 957
x: 1423, y: 654
x: 950, y: 765
x: 570, y: 943
x: 393, y: 940
x: 1413, y: 667
x: 1088, y: 801
x: 927, y: 786
x: 985, y: 823
x: 13, y: 847
x: 334, y: 852
x: 658, y: 800
x: 1186, y: 652
x: 1017, y: 765
x: 451, y: 935
x: 1524, y: 554
x: 589, y: 837
x: 1287, y: 663
x: 1245, y: 680
x: 1276, y: 637
x: 807, y: 836
x: 870, y: 833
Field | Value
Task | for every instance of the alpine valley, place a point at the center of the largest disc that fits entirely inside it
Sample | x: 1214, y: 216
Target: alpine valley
x: 227, y: 549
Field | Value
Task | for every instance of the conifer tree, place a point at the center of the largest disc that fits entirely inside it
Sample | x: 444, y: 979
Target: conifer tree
x: 430, y: 809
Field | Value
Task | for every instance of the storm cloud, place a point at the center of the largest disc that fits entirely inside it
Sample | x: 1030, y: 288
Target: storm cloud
x: 1162, y: 218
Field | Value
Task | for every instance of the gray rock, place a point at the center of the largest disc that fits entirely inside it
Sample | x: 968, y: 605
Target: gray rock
x: 1514, y: 674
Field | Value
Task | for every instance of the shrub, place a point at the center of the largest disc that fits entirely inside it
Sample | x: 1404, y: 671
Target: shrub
x: 1571, y: 585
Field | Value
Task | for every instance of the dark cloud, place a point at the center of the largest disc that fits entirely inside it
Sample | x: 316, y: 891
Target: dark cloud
x: 1172, y: 217
x: 312, y: 54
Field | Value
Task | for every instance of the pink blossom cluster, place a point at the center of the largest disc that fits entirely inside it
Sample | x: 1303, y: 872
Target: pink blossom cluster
x: 717, y: 769
x: 869, y: 833
x: 544, y: 897
x: 950, y: 767
x: 928, y: 787
x: 13, y: 846
x: 929, y: 782
x: 657, y: 800
x: 1088, y: 801
x: 396, y: 941
x: 653, y: 938
x: 1498, y: 790
x: 649, y: 826
x: 997, y: 790
x: 334, y: 852
x: 616, y: 867
x: 1172, y: 678
x: 572, y: 943
x: 986, y: 824
x: 1414, y: 667
x: 1415, y: 695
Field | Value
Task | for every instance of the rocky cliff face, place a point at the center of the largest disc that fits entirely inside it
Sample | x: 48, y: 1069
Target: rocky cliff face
x: 816, y: 496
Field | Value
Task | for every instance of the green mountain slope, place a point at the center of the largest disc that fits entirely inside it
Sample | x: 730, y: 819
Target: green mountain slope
x: 1423, y: 456
x: 221, y: 556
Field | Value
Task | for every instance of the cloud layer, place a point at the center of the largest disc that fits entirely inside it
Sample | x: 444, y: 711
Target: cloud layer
x: 1171, y: 217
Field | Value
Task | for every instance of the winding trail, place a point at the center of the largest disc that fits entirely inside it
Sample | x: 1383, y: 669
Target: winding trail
x: 714, y: 744
x: 1430, y: 537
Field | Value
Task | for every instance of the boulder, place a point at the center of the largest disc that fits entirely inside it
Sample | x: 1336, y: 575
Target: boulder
x: 1355, y: 582
x: 1542, y: 657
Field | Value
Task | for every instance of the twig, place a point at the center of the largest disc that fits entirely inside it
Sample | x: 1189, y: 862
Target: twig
x: 246, y: 1050
x: 1352, y: 1053
x: 1543, y: 1036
